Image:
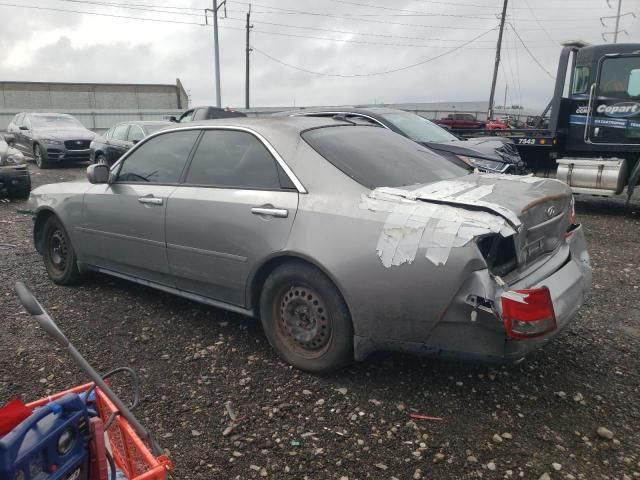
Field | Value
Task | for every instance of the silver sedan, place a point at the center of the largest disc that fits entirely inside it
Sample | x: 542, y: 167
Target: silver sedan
x: 343, y: 239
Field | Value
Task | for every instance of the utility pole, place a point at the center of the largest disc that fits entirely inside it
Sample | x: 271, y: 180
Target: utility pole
x: 617, y: 16
x: 216, y: 52
x: 248, y: 50
x: 615, y: 33
x: 495, y: 68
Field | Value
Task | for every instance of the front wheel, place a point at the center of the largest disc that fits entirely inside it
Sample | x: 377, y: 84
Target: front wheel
x: 59, y: 256
x: 305, y: 318
x: 38, y: 157
x: 101, y: 159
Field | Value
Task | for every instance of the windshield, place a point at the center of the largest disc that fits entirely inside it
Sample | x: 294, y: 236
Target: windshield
x: 376, y: 158
x: 418, y: 128
x: 50, y: 121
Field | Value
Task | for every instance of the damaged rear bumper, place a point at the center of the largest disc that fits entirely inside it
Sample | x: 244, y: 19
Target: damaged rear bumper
x: 480, y: 336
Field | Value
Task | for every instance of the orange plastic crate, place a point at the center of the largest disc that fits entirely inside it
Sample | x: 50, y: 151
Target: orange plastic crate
x: 130, y: 453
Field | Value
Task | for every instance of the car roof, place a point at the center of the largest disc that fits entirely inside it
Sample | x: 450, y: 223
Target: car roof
x: 264, y: 124
x: 372, y: 111
x: 149, y: 122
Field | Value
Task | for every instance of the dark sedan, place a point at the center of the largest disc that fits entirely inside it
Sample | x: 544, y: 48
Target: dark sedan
x: 489, y: 154
x: 50, y: 138
x: 109, y: 147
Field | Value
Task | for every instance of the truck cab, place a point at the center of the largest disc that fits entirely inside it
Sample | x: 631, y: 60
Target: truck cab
x: 593, y: 138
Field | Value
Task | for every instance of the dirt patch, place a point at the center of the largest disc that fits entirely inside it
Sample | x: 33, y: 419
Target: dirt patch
x: 498, y: 422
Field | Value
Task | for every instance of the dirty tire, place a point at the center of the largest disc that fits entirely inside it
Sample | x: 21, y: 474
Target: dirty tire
x: 59, y: 255
x: 305, y: 318
x: 101, y: 159
x: 38, y: 157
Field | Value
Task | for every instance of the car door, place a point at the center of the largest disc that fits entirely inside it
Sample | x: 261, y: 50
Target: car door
x: 123, y: 226
x: 234, y: 208
x: 117, y: 144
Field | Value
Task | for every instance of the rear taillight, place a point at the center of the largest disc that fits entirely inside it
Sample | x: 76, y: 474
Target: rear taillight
x: 528, y: 313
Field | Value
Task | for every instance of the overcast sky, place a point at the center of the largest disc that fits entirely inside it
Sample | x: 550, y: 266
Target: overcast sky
x: 350, y: 37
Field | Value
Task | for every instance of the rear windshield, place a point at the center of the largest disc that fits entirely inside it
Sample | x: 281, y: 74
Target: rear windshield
x: 418, y: 128
x: 380, y: 158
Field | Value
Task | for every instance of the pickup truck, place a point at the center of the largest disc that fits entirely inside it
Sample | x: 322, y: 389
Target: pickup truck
x: 461, y: 121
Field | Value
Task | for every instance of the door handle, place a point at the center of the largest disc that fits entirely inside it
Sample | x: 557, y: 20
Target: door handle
x: 271, y: 212
x: 150, y: 200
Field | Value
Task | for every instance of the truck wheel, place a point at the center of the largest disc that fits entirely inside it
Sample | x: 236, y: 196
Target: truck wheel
x: 59, y: 256
x: 38, y: 157
x: 305, y: 318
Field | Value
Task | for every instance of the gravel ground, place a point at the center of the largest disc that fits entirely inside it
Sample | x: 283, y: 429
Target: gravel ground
x: 527, y: 421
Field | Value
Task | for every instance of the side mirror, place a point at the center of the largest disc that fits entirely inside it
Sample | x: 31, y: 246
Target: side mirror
x: 135, y: 141
x: 173, y: 118
x: 10, y: 139
x: 24, y: 127
x: 98, y: 173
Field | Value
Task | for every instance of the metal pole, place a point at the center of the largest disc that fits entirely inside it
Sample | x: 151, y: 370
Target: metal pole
x: 495, y: 68
x: 216, y: 52
x: 615, y: 33
x: 248, y: 49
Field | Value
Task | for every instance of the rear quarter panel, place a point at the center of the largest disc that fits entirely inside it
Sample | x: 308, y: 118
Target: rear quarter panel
x: 333, y: 230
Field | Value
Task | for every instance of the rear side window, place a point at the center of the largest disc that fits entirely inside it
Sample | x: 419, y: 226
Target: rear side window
x: 159, y: 160
x: 227, y: 158
x: 380, y: 158
x: 135, y: 133
x: 120, y: 132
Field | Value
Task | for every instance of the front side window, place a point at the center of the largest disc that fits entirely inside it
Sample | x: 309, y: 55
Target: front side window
x: 581, y: 80
x: 228, y: 158
x: 120, y: 132
x: 159, y: 160
x: 418, y: 128
x: 135, y: 133
x: 620, y: 77
x: 380, y: 158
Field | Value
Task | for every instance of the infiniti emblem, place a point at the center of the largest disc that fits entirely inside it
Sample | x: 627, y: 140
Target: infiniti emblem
x: 78, y: 142
x: 551, y: 212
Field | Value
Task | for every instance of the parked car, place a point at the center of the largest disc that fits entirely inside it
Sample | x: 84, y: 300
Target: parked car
x: 463, y: 121
x: 342, y: 238
x: 458, y: 121
x: 15, y: 180
x: 50, y: 138
x: 206, y: 113
x: 110, y: 146
x: 493, y: 154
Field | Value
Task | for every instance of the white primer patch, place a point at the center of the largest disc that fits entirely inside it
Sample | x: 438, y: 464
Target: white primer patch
x: 438, y: 228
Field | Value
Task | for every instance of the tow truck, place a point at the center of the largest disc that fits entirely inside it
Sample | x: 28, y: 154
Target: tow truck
x: 593, y: 139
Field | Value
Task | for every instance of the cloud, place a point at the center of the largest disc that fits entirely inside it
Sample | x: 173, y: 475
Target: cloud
x: 41, y: 45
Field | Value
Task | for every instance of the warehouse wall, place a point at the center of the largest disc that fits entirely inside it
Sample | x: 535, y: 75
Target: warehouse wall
x: 97, y: 105
x: 44, y: 95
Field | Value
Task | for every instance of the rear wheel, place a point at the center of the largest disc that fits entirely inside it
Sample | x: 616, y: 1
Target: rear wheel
x: 38, y: 157
x: 305, y: 318
x: 59, y: 256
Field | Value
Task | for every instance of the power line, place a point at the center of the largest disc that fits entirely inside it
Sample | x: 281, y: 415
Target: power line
x: 533, y: 14
x: 531, y: 54
x: 406, y: 67
x: 417, y: 12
